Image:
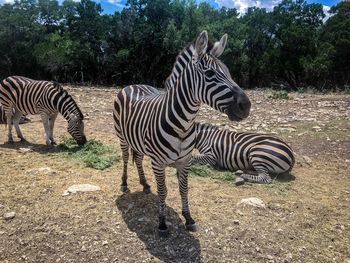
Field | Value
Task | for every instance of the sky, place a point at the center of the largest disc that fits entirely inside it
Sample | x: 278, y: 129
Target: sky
x: 110, y: 6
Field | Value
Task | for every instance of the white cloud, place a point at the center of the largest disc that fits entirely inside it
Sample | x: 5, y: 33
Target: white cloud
x: 242, y: 5
x: 326, y: 8
x: 114, y: 1
x: 6, y: 2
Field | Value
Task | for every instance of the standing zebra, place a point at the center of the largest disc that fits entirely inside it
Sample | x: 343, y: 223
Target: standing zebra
x: 161, y: 125
x: 20, y: 95
x: 258, y: 155
x: 3, y: 119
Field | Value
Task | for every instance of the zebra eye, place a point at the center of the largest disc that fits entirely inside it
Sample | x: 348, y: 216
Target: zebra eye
x: 209, y: 73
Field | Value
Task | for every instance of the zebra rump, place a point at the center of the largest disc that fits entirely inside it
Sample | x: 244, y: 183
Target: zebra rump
x: 3, y: 119
x: 258, y: 155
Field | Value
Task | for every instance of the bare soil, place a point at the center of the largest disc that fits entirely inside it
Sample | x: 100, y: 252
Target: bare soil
x: 305, y: 220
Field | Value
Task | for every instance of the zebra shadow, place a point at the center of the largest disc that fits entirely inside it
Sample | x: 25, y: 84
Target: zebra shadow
x: 140, y: 213
x: 23, y: 146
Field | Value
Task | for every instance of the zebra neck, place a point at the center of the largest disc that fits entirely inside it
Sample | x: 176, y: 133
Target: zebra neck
x: 67, y: 107
x: 181, y: 62
x: 181, y: 109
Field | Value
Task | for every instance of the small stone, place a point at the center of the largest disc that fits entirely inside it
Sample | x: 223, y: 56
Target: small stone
x: 252, y: 201
x: 317, y: 128
x: 105, y: 243
x: 236, y: 222
x: 239, y: 181
x: 1, y: 206
x: 288, y: 258
x: 307, y: 159
x: 269, y: 257
x: 41, y: 171
x: 83, y: 188
x: 25, y: 150
x: 257, y: 249
x: 83, y: 248
x: 65, y: 193
x: 10, y: 215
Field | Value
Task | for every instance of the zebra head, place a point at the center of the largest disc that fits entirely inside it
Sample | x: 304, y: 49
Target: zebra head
x: 216, y: 86
x: 76, y: 128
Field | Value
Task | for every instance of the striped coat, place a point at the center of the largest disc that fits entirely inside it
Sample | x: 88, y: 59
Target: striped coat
x: 258, y: 155
x: 3, y: 119
x: 161, y: 124
x: 20, y: 95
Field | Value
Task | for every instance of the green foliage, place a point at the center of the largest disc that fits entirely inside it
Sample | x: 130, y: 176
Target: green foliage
x: 74, y: 42
x: 93, y: 154
x: 279, y: 95
x: 209, y: 172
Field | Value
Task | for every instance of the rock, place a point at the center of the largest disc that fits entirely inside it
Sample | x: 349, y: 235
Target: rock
x: 65, y: 193
x: 10, y: 215
x: 269, y: 257
x: 239, y: 181
x: 83, y: 248
x: 1, y: 206
x: 252, y: 201
x: 317, y: 128
x: 288, y: 258
x: 25, y: 150
x: 82, y: 188
x: 236, y: 222
x: 307, y: 159
x: 41, y: 171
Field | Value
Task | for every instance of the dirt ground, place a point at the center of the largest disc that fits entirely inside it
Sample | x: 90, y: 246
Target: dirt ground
x: 305, y: 220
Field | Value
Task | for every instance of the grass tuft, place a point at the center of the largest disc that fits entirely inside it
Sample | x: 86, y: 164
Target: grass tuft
x: 209, y: 172
x: 279, y: 95
x: 93, y: 154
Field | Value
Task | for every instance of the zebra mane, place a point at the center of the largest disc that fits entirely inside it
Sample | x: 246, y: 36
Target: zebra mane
x: 62, y: 91
x: 189, y: 48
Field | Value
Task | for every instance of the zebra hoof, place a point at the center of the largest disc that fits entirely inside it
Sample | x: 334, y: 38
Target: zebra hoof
x: 163, y: 232
x: 10, y: 142
x: 191, y: 227
x: 147, y: 190
x: 124, y: 188
x: 24, y: 140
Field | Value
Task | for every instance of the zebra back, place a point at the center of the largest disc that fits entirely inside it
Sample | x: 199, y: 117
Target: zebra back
x: 241, y: 150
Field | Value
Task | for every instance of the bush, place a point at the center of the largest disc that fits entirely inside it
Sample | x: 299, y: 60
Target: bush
x: 279, y: 95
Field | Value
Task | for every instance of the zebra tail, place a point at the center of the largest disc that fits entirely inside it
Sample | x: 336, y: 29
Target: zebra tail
x: 133, y: 156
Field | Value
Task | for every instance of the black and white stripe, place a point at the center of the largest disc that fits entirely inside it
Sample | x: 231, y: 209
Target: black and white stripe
x: 161, y: 124
x: 3, y: 119
x: 257, y: 155
x: 20, y: 95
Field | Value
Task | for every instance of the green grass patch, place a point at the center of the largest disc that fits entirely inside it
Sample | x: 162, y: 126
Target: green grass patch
x: 279, y: 95
x: 279, y: 187
x: 207, y: 171
x: 94, y: 153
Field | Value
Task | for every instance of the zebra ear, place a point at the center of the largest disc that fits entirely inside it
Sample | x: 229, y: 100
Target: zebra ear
x: 201, y: 43
x: 219, y: 47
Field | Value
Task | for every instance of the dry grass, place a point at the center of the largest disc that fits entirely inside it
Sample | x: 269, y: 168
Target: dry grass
x: 306, y: 220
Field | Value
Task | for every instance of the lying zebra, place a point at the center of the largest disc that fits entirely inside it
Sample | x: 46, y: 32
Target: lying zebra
x: 258, y: 155
x: 3, y: 119
x: 20, y: 95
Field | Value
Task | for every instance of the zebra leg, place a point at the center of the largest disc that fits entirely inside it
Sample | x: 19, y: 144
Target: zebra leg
x: 52, y: 120
x: 16, y: 119
x: 45, y: 119
x: 204, y: 159
x: 159, y: 173
x: 261, y: 177
x: 138, y: 160
x: 182, y: 172
x: 9, y: 115
x: 125, y: 154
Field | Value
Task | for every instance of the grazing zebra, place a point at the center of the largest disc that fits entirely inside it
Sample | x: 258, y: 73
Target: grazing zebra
x: 161, y: 124
x: 20, y: 95
x: 258, y: 155
x: 3, y: 119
